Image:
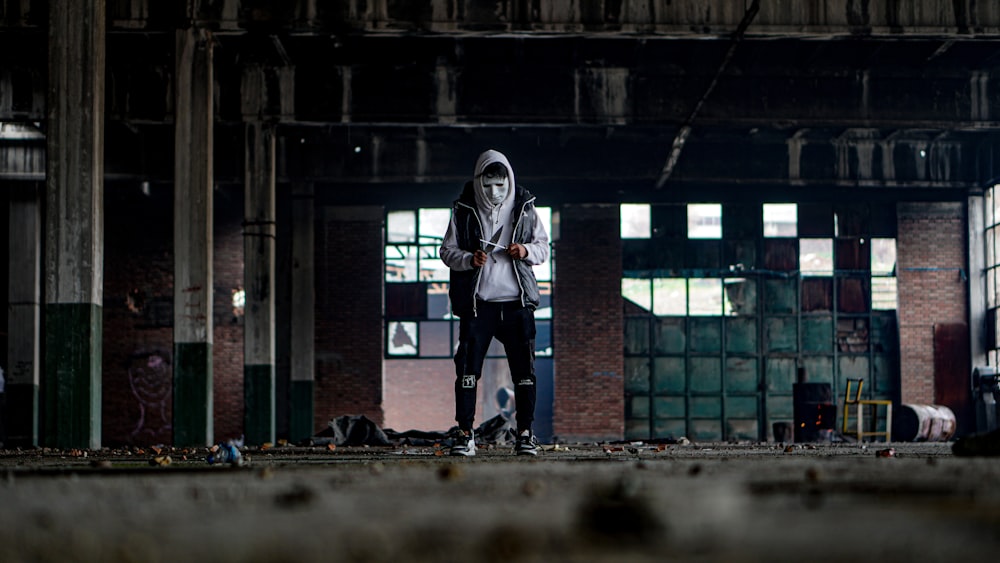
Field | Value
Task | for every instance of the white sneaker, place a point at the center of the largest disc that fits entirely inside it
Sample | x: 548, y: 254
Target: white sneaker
x: 465, y: 444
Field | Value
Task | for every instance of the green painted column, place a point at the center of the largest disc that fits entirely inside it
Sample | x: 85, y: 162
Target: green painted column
x: 24, y: 314
x: 303, y: 317
x: 258, y: 256
x: 74, y: 229
x: 193, y: 204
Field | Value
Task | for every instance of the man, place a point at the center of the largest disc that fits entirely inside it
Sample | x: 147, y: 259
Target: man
x: 492, y: 241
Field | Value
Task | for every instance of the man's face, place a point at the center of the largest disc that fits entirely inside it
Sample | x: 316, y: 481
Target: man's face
x: 495, y: 189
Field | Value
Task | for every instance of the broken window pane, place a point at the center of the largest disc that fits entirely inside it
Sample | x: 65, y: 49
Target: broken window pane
x: 401, y: 226
x: 884, y: 294
x: 705, y: 296
x: 431, y: 266
x: 400, y: 263
x: 401, y: 338
x: 883, y: 257
x: 433, y: 224
x: 780, y: 220
x: 635, y: 222
x: 669, y: 296
x: 704, y: 220
x: 638, y: 292
x: 816, y: 256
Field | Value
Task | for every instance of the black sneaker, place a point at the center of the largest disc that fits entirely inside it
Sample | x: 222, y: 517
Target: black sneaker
x: 527, y: 444
x: 465, y: 444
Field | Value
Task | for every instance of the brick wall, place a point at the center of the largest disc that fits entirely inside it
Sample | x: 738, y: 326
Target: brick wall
x: 931, y: 248
x: 349, y: 337
x: 587, y: 325
x: 137, y: 355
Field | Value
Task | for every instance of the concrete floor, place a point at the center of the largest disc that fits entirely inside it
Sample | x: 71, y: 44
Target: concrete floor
x: 696, y: 502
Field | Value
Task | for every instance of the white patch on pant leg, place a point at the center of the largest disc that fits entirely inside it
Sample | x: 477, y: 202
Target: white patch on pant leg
x: 468, y: 382
x: 527, y: 382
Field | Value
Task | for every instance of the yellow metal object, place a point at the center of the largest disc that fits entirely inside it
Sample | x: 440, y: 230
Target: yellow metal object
x: 859, y: 405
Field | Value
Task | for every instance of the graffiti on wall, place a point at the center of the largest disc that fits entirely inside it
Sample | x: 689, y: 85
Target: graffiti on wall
x: 150, y: 377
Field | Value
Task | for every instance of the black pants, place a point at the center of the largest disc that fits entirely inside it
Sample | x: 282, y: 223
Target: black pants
x: 514, y: 326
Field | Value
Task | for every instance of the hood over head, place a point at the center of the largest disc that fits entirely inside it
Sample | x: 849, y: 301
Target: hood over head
x: 485, y: 159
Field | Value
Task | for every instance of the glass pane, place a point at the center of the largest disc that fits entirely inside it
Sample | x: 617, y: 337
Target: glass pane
x: 884, y: 294
x: 704, y: 220
x: 780, y: 219
x: 402, y: 338
x: 996, y: 205
x: 635, y: 220
x: 543, y: 272
x: 991, y: 247
x: 991, y: 288
x: 401, y: 226
x: 705, y: 297
x: 669, y: 296
x: 433, y: 224
x: 883, y: 256
x: 638, y: 292
x: 816, y: 256
x: 431, y: 266
x: 400, y: 263
x: 545, y: 215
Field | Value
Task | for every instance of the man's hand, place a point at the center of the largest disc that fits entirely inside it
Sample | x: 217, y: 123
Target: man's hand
x: 478, y: 259
x: 517, y: 251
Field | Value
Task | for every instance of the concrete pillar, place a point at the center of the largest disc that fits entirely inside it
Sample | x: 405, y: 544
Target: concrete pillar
x: 74, y: 260
x: 193, y: 183
x: 23, y: 314
x: 303, y: 317
x: 977, y: 279
x: 258, y: 255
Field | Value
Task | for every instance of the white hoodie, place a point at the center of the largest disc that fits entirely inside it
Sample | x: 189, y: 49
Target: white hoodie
x: 497, y: 282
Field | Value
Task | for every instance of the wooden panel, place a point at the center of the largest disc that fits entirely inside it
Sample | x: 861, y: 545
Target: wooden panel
x: 952, y: 372
x: 817, y: 294
x: 781, y: 254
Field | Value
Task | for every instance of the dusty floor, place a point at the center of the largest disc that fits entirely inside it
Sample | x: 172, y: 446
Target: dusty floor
x: 695, y: 502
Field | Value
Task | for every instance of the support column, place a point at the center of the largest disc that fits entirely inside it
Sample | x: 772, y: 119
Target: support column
x: 74, y: 261
x: 258, y: 268
x: 976, y: 223
x: 193, y: 183
x: 23, y: 315
x: 303, y: 337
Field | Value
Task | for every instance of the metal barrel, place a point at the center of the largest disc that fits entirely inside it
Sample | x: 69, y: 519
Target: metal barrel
x: 923, y: 423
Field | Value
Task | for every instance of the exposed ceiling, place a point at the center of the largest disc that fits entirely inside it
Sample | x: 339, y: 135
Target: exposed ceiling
x: 633, y: 100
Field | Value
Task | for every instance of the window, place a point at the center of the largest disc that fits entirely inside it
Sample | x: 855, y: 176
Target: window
x: 704, y: 220
x: 418, y: 320
x: 816, y: 256
x: 635, y: 219
x: 883, y: 274
x: 780, y: 220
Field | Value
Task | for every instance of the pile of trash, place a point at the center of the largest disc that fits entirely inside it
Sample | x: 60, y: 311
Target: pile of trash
x: 359, y: 430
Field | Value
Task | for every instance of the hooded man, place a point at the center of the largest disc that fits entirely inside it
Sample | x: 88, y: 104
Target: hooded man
x: 492, y: 241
